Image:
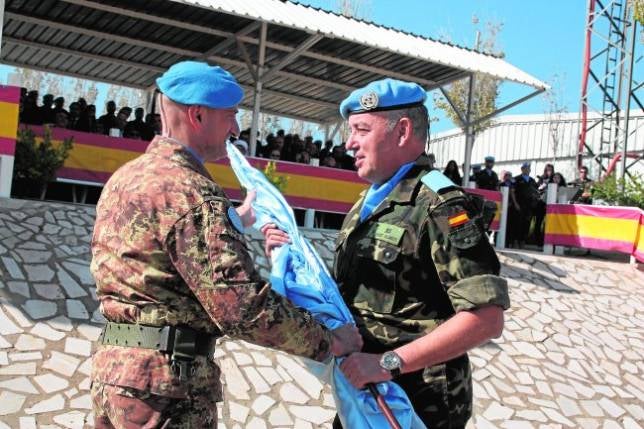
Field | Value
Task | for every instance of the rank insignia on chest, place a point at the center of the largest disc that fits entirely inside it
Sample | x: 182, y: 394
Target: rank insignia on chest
x: 458, y: 219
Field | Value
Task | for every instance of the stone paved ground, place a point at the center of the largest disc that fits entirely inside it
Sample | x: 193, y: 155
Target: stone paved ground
x: 570, y: 356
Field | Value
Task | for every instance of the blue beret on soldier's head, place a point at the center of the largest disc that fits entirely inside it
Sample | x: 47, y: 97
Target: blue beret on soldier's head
x: 385, y: 94
x: 198, y: 83
x: 489, y: 158
x: 525, y: 165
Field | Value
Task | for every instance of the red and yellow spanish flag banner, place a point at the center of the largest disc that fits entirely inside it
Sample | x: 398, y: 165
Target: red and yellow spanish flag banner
x: 495, y: 196
x: 95, y: 157
x: 595, y: 227
x: 9, y: 108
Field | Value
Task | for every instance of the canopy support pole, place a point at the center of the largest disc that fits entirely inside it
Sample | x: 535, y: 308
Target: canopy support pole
x: 258, y: 90
x: 469, y: 133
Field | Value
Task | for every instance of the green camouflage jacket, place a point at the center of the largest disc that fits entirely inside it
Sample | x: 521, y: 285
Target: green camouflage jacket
x: 165, y: 253
x: 420, y: 257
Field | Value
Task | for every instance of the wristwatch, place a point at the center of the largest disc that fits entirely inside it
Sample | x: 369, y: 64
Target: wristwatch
x: 391, y: 362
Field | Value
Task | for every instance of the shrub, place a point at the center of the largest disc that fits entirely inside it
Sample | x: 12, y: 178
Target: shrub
x: 36, y: 162
x: 610, y: 191
x: 270, y: 171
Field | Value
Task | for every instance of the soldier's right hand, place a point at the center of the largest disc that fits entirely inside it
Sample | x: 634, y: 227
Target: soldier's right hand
x: 274, y: 238
x: 346, y: 340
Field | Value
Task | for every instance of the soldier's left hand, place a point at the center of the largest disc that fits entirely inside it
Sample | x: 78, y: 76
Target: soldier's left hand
x: 245, y: 210
x: 363, y: 368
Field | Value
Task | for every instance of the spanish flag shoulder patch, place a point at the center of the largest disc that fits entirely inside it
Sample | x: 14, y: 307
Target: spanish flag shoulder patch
x: 458, y: 219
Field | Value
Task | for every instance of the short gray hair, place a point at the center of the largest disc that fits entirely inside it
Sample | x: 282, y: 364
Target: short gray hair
x: 417, y: 115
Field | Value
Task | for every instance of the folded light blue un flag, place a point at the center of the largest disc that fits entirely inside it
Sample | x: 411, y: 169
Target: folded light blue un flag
x: 299, y: 274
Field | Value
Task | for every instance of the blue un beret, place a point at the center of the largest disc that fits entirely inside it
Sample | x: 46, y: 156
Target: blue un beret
x: 198, y: 83
x: 385, y: 94
x: 489, y: 158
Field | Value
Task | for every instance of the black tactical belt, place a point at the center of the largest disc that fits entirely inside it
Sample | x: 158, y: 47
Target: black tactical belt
x: 182, y: 344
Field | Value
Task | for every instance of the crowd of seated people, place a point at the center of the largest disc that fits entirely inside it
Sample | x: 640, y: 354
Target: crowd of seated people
x: 82, y: 117
x: 291, y: 147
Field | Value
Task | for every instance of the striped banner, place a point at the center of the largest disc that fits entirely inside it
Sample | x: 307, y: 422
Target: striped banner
x: 9, y: 108
x: 495, y: 196
x: 95, y: 157
x: 595, y: 227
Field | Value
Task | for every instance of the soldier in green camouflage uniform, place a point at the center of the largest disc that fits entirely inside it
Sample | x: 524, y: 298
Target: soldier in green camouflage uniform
x: 168, y: 252
x: 412, y: 261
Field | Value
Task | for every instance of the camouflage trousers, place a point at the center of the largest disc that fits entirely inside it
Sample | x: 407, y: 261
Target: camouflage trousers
x: 117, y: 407
x: 441, y: 395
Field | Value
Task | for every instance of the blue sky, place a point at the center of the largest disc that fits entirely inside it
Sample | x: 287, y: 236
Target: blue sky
x: 543, y: 38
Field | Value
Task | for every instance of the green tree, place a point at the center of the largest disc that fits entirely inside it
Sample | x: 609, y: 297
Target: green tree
x: 555, y: 111
x: 638, y: 11
x: 486, y: 88
x: 270, y: 171
x: 610, y: 191
x: 36, y: 162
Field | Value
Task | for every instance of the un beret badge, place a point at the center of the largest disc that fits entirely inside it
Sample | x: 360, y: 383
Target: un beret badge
x: 369, y: 100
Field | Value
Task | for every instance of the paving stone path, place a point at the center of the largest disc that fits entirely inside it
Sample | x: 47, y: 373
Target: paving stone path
x: 570, y: 355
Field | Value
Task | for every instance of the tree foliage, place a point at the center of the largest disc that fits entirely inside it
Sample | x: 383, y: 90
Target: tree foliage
x: 36, y: 161
x: 610, y: 191
x: 555, y: 111
x: 486, y: 88
x: 270, y: 171
x: 638, y: 11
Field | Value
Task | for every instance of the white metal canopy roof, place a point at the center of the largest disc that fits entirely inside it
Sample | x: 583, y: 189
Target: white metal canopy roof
x: 312, y: 20
x: 311, y: 59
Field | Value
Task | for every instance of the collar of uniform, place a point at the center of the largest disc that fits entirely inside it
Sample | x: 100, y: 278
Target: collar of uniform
x: 404, y: 190
x: 172, y: 149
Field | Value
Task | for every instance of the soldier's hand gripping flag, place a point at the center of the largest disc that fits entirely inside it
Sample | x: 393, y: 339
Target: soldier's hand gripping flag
x: 300, y: 274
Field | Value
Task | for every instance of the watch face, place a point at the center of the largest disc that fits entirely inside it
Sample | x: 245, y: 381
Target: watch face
x: 390, y: 361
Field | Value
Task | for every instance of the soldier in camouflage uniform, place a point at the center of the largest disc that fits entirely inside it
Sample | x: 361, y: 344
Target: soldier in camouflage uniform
x: 412, y: 261
x: 173, y: 272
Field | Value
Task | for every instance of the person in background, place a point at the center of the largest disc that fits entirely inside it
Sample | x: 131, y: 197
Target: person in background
x: 46, y: 110
x: 559, y: 180
x: 136, y: 127
x: 527, y: 197
x: 476, y: 169
x: 108, y: 120
x: 585, y: 184
x: 487, y: 178
x: 511, y: 235
x: 451, y: 171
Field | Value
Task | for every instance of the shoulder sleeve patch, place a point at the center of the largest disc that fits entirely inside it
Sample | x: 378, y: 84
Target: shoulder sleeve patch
x: 437, y: 181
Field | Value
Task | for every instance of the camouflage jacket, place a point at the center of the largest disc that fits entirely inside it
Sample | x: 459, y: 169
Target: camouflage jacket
x: 166, y: 253
x: 404, y: 270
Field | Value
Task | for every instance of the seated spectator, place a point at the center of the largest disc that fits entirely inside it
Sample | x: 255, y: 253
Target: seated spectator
x: 86, y: 117
x: 74, y: 113
x: 585, y: 184
x: 559, y: 179
x: 108, y: 120
x: 59, y: 105
x: 342, y: 159
x: 121, y: 122
x: 451, y: 171
x: 135, y: 128
x: 158, y: 126
x: 242, y: 145
x: 31, y: 112
x: 328, y: 149
x: 312, y: 148
x: 62, y: 119
x: 46, y: 110
x: 303, y: 157
x: 275, y: 155
x: 328, y: 161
